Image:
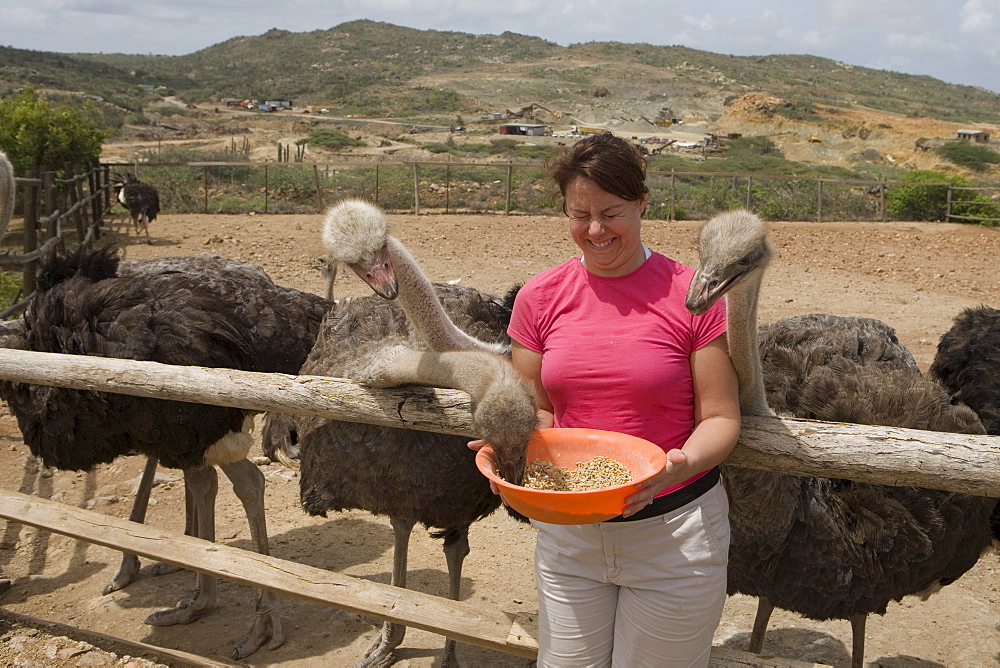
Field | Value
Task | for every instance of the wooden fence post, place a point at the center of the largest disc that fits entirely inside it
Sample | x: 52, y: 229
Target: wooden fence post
x: 416, y: 190
x: 93, y: 181
x: 204, y: 184
x: 510, y: 174
x: 30, y: 232
x: 319, y: 191
x: 947, y: 211
x: 673, y: 195
x: 881, y: 198
x: 75, y: 194
x: 266, y: 190
x: 50, y: 192
x: 376, y: 185
x: 447, y: 186
x: 819, y: 201
x: 749, y: 192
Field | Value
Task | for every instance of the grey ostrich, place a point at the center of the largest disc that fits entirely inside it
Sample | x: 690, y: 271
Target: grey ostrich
x: 968, y: 364
x: 190, y: 311
x: 825, y: 548
x: 411, y: 476
x: 141, y: 199
x: 6, y: 193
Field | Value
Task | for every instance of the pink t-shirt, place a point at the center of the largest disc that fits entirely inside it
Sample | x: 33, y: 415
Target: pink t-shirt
x: 616, y: 351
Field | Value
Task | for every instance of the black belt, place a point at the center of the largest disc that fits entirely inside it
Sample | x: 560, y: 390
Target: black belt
x: 674, y: 500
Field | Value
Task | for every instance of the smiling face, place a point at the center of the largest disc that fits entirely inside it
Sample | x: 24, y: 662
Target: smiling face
x: 606, y: 228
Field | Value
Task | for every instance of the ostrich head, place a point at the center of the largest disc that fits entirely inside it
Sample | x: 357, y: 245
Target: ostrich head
x: 355, y: 233
x: 734, y: 246
x: 735, y: 250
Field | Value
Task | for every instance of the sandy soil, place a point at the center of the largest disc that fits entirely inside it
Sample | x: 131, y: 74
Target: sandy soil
x: 915, y: 276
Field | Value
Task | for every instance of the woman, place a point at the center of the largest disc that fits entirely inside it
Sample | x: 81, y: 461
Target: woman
x: 608, y: 344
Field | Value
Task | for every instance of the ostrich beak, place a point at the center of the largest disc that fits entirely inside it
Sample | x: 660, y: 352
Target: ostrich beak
x: 378, y: 274
x: 509, y: 468
x: 704, y: 291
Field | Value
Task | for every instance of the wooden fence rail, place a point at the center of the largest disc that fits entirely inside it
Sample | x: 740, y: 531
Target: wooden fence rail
x: 882, y: 455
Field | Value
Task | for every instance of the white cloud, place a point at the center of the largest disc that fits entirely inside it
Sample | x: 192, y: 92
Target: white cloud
x: 977, y: 17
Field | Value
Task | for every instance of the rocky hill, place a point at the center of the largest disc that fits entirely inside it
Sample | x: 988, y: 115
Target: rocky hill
x: 815, y: 109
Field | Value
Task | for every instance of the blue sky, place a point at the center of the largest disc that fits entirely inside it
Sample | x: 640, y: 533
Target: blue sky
x: 956, y: 41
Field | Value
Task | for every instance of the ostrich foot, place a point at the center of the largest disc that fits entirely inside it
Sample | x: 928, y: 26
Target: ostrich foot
x: 381, y: 652
x: 161, y: 568
x: 130, y: 568
x: 184, y: 613
x: 266, y: 628
x: 126, y: 573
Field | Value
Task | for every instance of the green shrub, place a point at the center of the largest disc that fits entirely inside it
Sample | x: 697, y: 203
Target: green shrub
x: 36, y: 134
x: 971, y: 156
x: 10, y: 287
x: 329, y: 138
x: 923, y: 195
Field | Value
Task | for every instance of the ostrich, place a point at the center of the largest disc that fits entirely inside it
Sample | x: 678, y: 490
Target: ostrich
x: 6, y: 193
x: 411, y: 476
x: 966, y: 363
x: 830, y: 549
x: 191, y: 311
x: 142, y: 201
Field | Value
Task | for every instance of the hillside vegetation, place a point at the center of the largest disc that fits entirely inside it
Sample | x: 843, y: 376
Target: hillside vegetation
x: 376, y: 68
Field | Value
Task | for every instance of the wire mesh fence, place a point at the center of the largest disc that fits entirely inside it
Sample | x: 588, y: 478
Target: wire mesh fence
x: 522, y: 188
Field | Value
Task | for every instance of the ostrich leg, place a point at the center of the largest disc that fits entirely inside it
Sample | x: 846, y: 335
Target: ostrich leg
x: 248, y: 484
x: 203, y: 485
x: 764, y: 610
x: 380, y: 652
x: 130, y: 563
x: 858, y: 640
x: 456, y: 549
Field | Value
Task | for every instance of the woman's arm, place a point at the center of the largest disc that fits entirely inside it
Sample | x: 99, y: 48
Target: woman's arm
x: 716, y: 418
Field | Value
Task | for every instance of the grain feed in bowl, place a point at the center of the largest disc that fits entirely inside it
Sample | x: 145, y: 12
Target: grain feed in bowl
x: 596, y: 473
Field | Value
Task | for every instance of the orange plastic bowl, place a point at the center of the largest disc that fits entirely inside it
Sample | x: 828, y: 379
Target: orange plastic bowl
x: 567, y: 448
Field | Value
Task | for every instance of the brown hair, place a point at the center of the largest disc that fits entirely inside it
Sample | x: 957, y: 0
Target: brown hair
x: 611, y: 162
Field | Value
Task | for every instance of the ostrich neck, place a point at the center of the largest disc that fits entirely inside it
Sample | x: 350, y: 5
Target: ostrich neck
x: 754, y: 494
x: 6, y: 194
x: 744, y: 346
x: 422, y: 306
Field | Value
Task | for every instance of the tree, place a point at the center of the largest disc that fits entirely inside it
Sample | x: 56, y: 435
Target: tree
x: 36, y: 134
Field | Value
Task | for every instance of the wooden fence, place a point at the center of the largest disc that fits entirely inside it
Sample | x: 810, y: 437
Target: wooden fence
x: 50, y: 206
x: 980, y: 205
x: 959, y: 462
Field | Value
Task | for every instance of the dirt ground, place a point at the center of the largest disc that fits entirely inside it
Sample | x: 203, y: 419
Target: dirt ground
x: 915, y: 276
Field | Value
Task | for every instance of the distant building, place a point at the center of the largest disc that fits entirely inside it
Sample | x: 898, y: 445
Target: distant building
x: 973, y: 135
x: 535, y: 130
x: 278, y: 104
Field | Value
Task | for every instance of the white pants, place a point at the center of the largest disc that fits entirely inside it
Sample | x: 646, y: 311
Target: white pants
x: 632, y: 594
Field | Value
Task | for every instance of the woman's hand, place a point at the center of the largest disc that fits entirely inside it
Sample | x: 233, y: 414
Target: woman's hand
x: 477, y: 445
x: 674, y: 472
